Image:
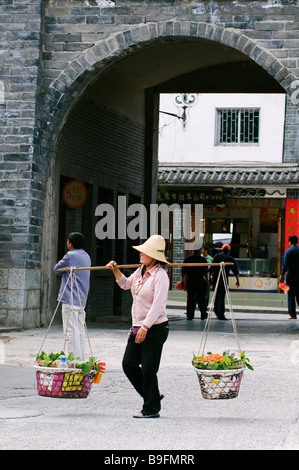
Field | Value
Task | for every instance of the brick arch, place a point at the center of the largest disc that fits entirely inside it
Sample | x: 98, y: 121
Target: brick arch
x: 95, y: 59
x: 67, y: 88
x: 88, y: 66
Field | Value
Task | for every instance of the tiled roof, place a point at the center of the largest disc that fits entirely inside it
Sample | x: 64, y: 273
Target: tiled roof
x: 229, y: 174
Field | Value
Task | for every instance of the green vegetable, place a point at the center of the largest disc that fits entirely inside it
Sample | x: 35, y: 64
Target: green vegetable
x: 246, y: 360
x: 86, y: 366
x: 227, y: 361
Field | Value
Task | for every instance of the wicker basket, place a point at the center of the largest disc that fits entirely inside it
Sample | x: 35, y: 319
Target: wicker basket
x: 219, y: 384
x: 235, y: 365
x: 52, y: 364
x: 59, y: 383
x: 71, y: 365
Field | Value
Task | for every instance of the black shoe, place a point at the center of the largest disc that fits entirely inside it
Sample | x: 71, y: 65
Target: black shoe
x: 141, y: 414
x: 204, y: 317
x: 222, y: 318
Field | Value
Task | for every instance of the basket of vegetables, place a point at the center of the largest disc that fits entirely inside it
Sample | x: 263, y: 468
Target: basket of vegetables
x: 66, y: 377
x: 220, y: 375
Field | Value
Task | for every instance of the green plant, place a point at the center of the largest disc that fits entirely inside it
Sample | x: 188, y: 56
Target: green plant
x: 85, y: 366
x: 221, y: 362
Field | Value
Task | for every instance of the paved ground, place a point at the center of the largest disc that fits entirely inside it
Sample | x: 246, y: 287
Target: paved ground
x: 264, y: 416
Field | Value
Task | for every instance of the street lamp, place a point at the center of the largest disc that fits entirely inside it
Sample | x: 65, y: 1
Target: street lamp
x: 183, y: 101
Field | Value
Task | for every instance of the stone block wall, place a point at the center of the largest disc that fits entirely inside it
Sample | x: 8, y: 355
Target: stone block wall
x: 291, y: 134
x: 102, y: 150
x: 21, y: 180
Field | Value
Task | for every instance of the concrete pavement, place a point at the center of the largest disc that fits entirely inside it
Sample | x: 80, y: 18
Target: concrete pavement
x: 265, y: 415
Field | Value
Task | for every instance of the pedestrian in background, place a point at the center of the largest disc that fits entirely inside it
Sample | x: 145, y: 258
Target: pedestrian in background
x: 290, y: 267
x: 195, y: 281
x: 224, y: 256
x: 74, y: 297
x: 205, y: 253
x: 149, y: 285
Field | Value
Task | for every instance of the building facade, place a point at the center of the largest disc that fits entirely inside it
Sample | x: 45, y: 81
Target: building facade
x: 228, y: 155
x: 79, y: 100
x: 254, y: 209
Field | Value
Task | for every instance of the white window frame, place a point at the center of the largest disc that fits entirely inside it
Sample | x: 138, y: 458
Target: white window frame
x: 237, y: 131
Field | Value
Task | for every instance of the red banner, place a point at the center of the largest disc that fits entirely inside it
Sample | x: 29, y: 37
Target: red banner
x: 291, y: 220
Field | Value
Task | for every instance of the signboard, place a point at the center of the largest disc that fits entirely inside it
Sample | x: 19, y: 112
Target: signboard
x: 74, y: 194
x: 291, y: 219
x: 212, y: 197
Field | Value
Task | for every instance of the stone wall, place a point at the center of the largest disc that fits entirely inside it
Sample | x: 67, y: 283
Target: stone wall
x: 21, y: 192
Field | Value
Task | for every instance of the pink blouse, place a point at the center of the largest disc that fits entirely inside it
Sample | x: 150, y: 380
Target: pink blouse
x: 150, y: 293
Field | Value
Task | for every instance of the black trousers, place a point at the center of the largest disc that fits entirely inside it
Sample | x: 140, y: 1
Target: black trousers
x: 196, y: 294
x: 219, y: 305
x: 293, y: 296
x: 141, y: 364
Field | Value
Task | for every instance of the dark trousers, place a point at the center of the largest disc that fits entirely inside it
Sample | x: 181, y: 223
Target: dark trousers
x: 219, y: 305
x: 293, y: 295
x: 141, y: 364
x: 196, y: 294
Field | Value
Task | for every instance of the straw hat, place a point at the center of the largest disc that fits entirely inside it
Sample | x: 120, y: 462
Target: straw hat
x: 153, y: 247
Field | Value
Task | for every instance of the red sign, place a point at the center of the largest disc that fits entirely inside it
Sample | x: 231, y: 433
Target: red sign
x: 74, y: 194
x: 291, y: 222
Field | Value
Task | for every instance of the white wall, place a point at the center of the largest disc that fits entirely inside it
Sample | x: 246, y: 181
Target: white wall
x: 197, y: 142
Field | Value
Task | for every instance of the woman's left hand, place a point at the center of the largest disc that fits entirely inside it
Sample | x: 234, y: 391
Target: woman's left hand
x: 141, y: 335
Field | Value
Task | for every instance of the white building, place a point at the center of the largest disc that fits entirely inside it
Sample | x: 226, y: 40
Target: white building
x: 228, y: 155
x: 223, y: 128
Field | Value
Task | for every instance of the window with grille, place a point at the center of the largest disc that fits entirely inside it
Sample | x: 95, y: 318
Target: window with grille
x: 237, y: 126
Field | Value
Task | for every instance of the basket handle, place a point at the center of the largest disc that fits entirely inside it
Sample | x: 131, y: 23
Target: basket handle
x: 208, y: 322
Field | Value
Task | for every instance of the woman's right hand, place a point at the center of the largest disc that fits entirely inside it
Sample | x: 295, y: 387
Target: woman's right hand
x: 112, y: 265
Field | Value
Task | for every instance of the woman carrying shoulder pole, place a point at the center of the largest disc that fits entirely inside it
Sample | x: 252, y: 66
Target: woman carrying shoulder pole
x: 149, y: 285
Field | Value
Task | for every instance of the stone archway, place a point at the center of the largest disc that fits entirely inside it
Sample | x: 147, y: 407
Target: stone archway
x: 71, y: 82
x: 66, y: 91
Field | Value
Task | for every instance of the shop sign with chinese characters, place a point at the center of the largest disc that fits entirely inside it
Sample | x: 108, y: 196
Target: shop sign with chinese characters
x: 207, y: 197
x: 74, y: 194
x: 291, y: 219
